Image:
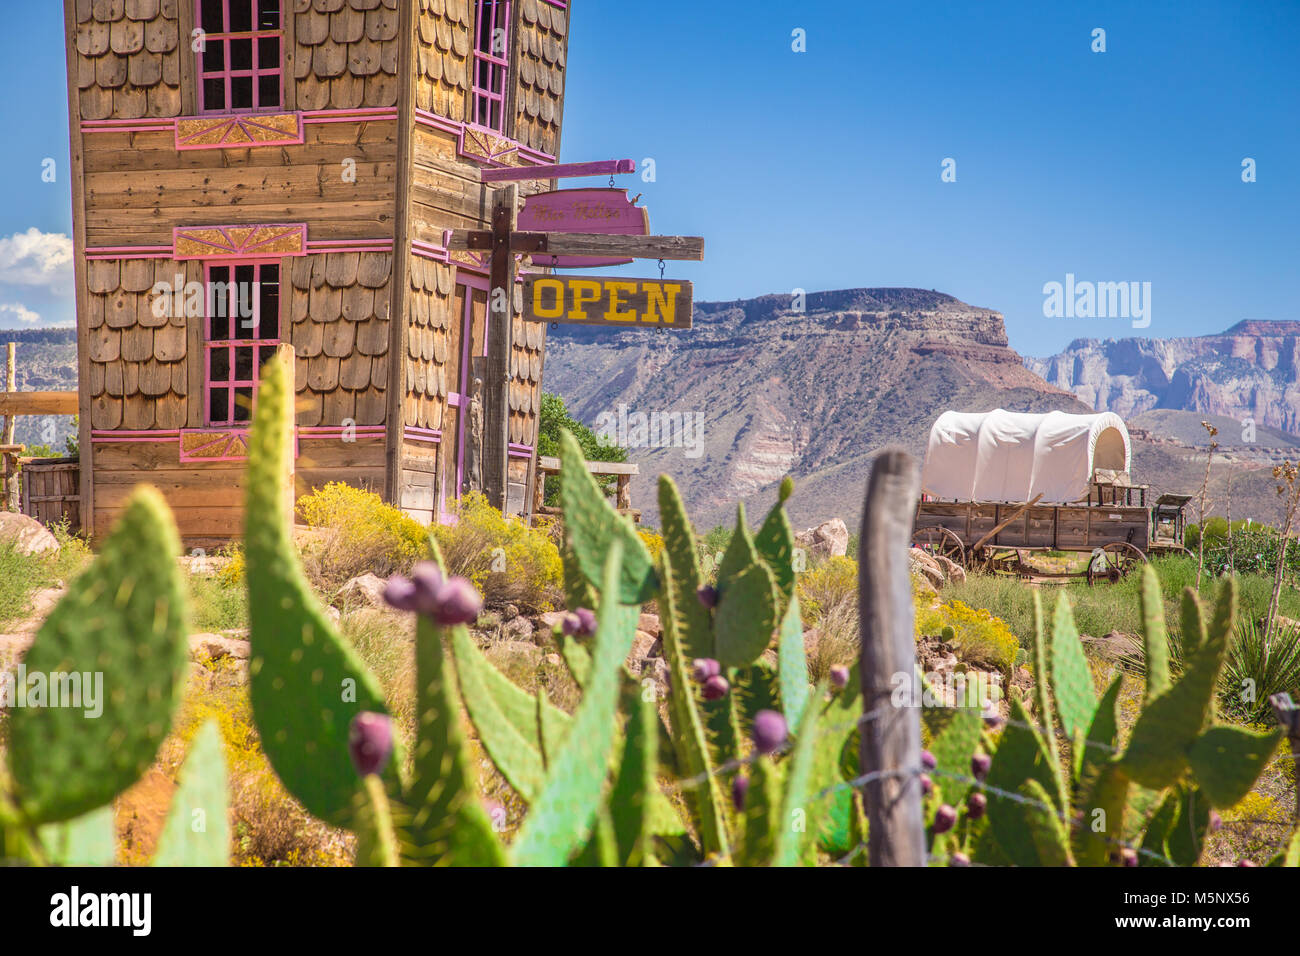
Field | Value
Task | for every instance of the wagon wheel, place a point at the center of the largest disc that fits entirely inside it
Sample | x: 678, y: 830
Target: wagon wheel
x: 1114, y: 562
x: 942, y: 542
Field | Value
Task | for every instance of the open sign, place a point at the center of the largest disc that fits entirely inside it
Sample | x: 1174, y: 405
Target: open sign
x: 603, y: 300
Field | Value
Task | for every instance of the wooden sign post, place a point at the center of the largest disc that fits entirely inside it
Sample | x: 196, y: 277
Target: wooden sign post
x: 496, y: 386
x: 639, y: 298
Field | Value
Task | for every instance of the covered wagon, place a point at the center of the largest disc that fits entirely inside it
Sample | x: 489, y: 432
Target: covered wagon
x: 998, y: 484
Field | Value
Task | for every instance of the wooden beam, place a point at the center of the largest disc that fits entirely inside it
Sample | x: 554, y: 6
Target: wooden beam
x: 38, y: 403
x: 510, y: 174
x: 496, y: 386
x: 551, y: 466
x: 683, y: 248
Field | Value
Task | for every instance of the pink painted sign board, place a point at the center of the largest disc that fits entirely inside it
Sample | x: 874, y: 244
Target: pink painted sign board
x: 602, y: 210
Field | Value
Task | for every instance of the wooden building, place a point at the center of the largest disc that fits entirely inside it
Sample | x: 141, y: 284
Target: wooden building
x: 252, y: 172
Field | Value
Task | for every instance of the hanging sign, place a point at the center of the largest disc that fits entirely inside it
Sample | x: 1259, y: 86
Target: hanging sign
x: 608, y: 300
x: 599, y: 210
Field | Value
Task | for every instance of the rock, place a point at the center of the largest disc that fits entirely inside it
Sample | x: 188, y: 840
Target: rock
x: 515, y: 649
x: 953, y: 571
x: 828, y: 539
x: 366, y: 590
x: 509, y: 612
x: 644, y: 645
x: 334, y: 614
x: 1113, y: 646
x: 488, y: 621
x: 550, y: 619
x: 27, y: 535
x: 925, y: 565
x: 649, y: 623
x: 655, y: 668
x: 517, y: 629
x: 215, y: 647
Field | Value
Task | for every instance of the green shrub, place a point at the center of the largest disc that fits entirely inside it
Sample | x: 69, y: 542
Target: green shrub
x: 555, y: 418
x: 509, y: 562
x: 979, y: 635
x: 356, y: 532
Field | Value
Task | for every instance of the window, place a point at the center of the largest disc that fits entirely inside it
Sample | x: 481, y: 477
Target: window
x: 242, y: 331
x: 491, y: 64
x: 240, y: 64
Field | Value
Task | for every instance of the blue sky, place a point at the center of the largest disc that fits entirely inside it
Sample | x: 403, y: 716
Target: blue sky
x: 821, y: 169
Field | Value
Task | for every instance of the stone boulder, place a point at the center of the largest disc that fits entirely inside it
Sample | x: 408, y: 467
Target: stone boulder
x: 828, y: 539
x: 366, y: 590
x: 27, y: 535
x: 216, y: 646
x: 923, y: 564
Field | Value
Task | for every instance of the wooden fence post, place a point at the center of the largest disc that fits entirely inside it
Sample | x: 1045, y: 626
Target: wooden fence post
x: 10, y: 485
x: 1288, y: 715
x: 891, y: 739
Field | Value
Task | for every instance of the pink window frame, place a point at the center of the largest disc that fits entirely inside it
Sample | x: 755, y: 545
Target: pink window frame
x: 498, y: 66
x: 230, y: 344
x: 255, y: 72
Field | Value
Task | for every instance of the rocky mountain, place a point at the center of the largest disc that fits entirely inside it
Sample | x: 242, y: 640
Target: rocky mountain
x: 45, y: 361
x: 1250, y: 371
x: 776, y: 390
x: 815, y: 393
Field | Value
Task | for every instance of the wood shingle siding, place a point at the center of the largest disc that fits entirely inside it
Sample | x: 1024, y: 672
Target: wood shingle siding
x: 539, y: 77
x: 442, y: 53
x: 339, y: 313
x: 348, y: 54
x: 128, y: 58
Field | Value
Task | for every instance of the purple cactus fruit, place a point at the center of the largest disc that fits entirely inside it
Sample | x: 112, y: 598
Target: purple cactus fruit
x: 959, y: 859
x: 927, y: 785
x: 979, y: 766
x: 945, y: 818
x: 1247, y: 863
x: 457, y: 602
x: 976, y: 804
x: 704, y: 668
x: 579, y: 623
x: 839, y: 677
x: 1216, y: 821
x: 427, y: 581
x: 401, y: 593
x: 370, y: 742
x: 739, y: 788
x: 716, y: 687
x: 994, y: 721
x: 769, y: 731
x: 928, y: 761
x: 1128, y: 857
x: 708, y: 595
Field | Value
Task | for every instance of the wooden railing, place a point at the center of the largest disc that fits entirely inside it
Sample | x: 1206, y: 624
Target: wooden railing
x: 622, y: 472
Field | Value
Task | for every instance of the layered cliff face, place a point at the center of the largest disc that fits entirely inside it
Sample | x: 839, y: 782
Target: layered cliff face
x: 778, y: 390
x: 1249, y: 371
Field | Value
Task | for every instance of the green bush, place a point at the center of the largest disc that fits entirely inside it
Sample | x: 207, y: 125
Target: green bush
x: 356, y: 532
x: 555, y: 418
x: 509, y: 562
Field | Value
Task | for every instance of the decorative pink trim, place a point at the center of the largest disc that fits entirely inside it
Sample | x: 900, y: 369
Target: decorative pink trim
x: 245, y: 123
x: 430, y: 436
x: 428, y: 250
x: 461, y: 130
x: 350, y: 245
x: 516, y: 450
x: 260, y: 238
x: 129, y: 252
x: 560, y: 4
x: 307, y: 117
x: 606, y: 167
x: 337, y: 431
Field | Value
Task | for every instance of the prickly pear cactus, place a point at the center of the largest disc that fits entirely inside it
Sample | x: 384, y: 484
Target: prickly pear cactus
x: 306, y: 682
x: 117, y: 640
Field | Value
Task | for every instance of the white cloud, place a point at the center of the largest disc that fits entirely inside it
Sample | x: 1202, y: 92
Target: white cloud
x: 23, y: 313
x: 38, y: 259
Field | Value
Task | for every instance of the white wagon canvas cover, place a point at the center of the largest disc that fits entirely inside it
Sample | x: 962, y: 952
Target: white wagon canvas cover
x: 1013, y: 456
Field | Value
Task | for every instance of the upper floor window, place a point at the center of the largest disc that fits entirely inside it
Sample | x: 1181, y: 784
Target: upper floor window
x: 239, y: 60
x: 242, y: 329
x: 491, y: 64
